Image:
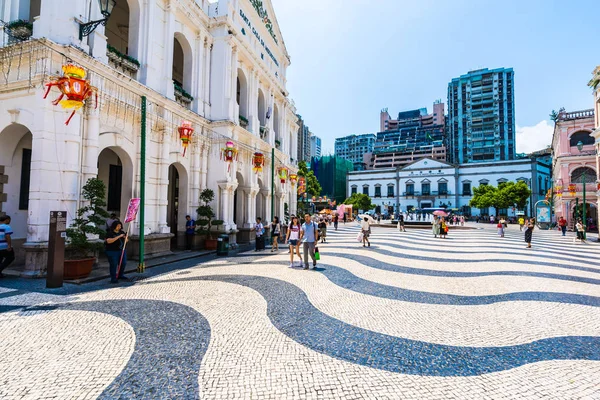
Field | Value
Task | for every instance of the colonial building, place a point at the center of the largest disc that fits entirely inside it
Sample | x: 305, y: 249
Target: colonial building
x: 219, y: 65
x: 430, y: 183
x: 573, y: 167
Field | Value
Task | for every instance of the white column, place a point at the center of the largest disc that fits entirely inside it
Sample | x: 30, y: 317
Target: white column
x: 168, y: 89
x: 197, y: 68
x: 234, y: 109
x: 163, y: 199
x: 254, y: 123
x: 204, y: 165
x: 206, y: 76
x: 195, y: 178
x: 90, y: 143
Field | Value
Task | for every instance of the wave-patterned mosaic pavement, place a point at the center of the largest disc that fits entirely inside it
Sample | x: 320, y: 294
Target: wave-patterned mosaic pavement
x: 474, y: 316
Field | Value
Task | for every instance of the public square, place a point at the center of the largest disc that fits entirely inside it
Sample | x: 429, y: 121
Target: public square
x: 474, y: 316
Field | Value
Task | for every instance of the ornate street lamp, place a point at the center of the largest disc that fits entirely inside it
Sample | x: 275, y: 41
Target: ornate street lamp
x: 584, y: 211
x: 106, y: 7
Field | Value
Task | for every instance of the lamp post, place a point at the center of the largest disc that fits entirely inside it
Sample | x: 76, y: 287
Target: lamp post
x: 584, y: 211
x: 106, y: 7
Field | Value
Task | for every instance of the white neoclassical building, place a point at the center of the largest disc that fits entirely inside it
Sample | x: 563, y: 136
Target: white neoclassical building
x: 219, y: 65
x: 431, y: 183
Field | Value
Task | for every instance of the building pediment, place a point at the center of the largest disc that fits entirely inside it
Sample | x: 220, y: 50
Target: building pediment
x: 259, y: 20
x: 426, y: 163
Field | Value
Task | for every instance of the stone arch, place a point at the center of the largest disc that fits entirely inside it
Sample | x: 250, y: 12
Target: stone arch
x: 277, y: 123
x: 115, y: 169
x: 177, y: 203
x: 578, y: 172
x: 242, y: 93
x: 262, y: 108
x: 183, y: 59
x: 239, y: 201
x: 122, y: 28
x: 16, y: 144
x: 581, y: 135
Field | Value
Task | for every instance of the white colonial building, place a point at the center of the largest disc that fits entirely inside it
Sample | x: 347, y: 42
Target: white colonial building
x: 220, y: 65
x: 429, y: 183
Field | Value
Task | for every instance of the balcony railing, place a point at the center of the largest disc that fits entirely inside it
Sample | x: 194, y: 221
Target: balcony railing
x: 576, y: 114
x: 589, y: 188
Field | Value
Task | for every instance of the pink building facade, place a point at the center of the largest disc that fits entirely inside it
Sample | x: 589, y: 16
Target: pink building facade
x: 595, y: 85
x: 572, y: 167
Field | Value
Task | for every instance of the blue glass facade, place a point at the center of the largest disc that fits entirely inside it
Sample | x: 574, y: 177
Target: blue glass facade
x: 481, y: 117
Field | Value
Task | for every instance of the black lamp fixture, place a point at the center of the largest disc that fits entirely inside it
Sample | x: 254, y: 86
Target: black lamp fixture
x: 106, y: 7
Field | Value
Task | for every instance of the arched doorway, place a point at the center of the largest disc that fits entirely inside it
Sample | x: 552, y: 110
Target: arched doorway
x: 15, y: 173
x: 242, y: 97
x: 260, y: 201
x: 177, y: 204
x: 239, y: 202
x: 276, y: 127
x: 116, y: 171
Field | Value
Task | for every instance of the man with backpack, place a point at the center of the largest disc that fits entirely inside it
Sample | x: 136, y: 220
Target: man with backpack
x: 309, y: 236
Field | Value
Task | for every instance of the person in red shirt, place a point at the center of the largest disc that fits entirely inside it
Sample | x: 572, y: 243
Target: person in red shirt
x: 562, y: 223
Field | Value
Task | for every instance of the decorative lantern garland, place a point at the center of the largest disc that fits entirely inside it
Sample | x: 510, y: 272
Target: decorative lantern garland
x: 229, y: 153
x: 572, y: 189
x: 258, y: 161
x: 185, y: 134
x: 283, y: 175
x: 293, y: 179
x: 559, y: 191
x: 74, y: 86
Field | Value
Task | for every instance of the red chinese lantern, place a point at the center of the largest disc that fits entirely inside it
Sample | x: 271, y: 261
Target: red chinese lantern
x: 293, y: 179
x: 258, y: 161
x: 283, y: 174
x: 572, y: 189
x: 185, y: 134
x: 229, y: 154
x: 559, y: 191
x: 74, y: 87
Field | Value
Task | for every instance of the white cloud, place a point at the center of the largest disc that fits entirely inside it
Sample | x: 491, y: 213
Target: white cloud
x: 533, y: 138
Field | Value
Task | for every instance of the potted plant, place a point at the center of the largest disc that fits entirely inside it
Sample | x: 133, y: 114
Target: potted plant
x: 20, y: 29
x: 243, y: 121
x: 81, y: 251
x: 205, y: 219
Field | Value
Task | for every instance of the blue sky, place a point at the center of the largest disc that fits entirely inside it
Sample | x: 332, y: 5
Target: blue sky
x: 351, y: 58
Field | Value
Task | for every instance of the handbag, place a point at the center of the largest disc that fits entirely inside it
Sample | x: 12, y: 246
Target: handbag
x: 317, y: 254
x: 359, y: 238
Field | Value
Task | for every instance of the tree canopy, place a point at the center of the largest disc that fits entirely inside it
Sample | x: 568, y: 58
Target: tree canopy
x: 507, y: 194
x: 313, y: 187
x: 360, y: 201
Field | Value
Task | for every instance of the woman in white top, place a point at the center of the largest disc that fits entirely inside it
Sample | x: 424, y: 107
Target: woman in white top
x: 366, y: 231
x: 293, y: 238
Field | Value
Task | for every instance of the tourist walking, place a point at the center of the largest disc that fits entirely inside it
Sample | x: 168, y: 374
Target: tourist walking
x: 562, y: 223
x: 323, y: 231
x: 401, y: 227
x: 293, y: 238
x: 529, y: 231
x: 335, y: 221
x: 275, y: 232
x: 309, y: 236
x: 260, y: 231
x: 443, y: 228
x: 521, y: 223
x: 190, y: 231
x: 113, y: 247
x: 366, y: 231
x: 580, y: 228
x: 7, y: 253
x: 462, y: 220
x: 436, y: 226
x: 500, y: 227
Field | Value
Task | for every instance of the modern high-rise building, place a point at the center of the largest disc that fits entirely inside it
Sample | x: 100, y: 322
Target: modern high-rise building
x: 414, y: 135
x: 481, y: 116
x: 303, y: 140
x: 353, y: 148
x: 315, y: 146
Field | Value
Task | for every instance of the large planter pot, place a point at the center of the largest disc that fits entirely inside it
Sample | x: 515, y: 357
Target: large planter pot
x: 78, y: 269
x: 210, y: 244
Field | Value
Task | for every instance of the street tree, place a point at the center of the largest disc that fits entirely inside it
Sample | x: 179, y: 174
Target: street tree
x: 313, y: 187
x: 360, y: 201
x: 483, y: 196
x: 517, y: 194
